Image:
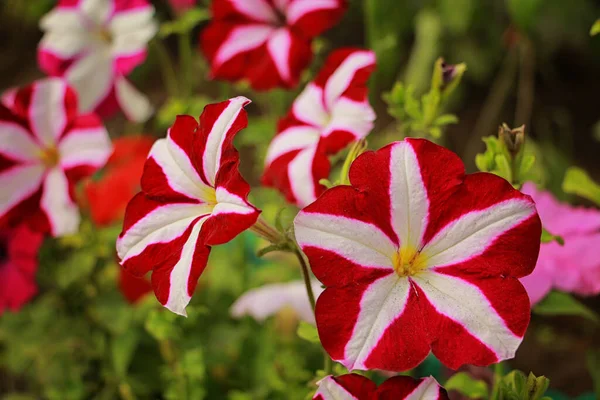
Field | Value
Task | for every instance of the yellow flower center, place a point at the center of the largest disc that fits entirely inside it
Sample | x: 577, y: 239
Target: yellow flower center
x: 105, y: 35
x: 408, y: 261
x: 50, y: 156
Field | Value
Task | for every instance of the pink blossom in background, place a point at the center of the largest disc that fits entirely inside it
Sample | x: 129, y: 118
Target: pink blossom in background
x: 18, y: 265
x: 46, y: 147
x: 574, y: 267
x: 95, y: 44
x: 268, y: 300
x: 182, y: 5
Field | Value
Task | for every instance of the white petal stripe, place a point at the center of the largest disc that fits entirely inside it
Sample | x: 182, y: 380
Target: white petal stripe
x: 298, y: 9
x: 382, y: 303
x: 61, y: 211
x: 18, y: 183
x: 278, y: 47
x: 341, y: 78
x: 294, y: 138
x: 329, y: 389
x: 474, y: 232
x: 259, y: 10
x: 308, y: 106
x: 211, y: 159
x: 408, y: 195
x: 90, y: 146
x: 62, y: 19
x: 466, y: 305
x: 242, y: 39
x: 428, y: 389
x: 351, y: 116
x: 162, y: 225
x: 135, y: 104
x: 17, y: 144
x: 357, y: 241
x: 230, y: 203
x: 180, y: 275
x: 92, y: 77
x: 301, y: 177
x: 47, y: 110
x: 99, y: 11
x: 65, y: 44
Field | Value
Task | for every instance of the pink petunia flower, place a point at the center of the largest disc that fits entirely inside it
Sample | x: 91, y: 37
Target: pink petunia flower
x: 18, y: 265
x: 358, y: 387
x: 418, y: 257
x: 267, y: 42
x: 268, y: 300
x: 95, y: 44
x: 46, y: 147
x: 331, y: 112
x: 574, y: 267
x: 193, y: 197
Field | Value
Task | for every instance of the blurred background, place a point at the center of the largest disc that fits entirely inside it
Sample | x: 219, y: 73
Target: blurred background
x: 529, y: 62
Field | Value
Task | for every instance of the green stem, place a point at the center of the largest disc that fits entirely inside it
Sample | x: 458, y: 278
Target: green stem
x: 166, y: 68
x: 498, y: 370
x: 185, y: 64
x: 306, y: 276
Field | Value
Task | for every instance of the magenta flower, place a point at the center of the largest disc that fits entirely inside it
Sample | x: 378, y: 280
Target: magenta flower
x: 18, y: 265
x: 329, y: 114
x: 193, y: 197
x: 417, y: 256
x: 264, y: 41
x: 574, y: 267
x: 94, y: 45
x: 46, y: 147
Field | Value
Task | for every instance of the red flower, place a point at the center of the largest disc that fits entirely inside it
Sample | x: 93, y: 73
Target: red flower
x: 133, y: 287
x: 108, y: 197
x: 192, y: 198
x: 419, y: 257
x: 267, y: 42
x: 18, y: 265
x: 331, y: 112
x: 46, y: 147
x: 358, y: 387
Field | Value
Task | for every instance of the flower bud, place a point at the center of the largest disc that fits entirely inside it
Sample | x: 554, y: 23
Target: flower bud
x: 513, y: 139
x: 446, y: 77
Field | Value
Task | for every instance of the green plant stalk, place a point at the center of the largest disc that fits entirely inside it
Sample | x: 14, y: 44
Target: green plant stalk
x: 497, y: 378
x: 166, y: 68
x: 185, y: 64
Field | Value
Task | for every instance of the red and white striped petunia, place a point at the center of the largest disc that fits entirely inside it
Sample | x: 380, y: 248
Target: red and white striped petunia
x: 46, y: 146
x: 192, y: 197
x: 267, y: 42
x: 332, y: 112
x: 95, y: 44
x: 358, y: 387
x: 418, y: 257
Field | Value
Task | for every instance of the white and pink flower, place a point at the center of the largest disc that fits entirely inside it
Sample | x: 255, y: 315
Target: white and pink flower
x: 267, y: 42
x: 193, y: 197
x: 46, y: 146
x: 94, y: 45
x: 358, y: 387
x: 332, y: 112
x: 418, y: 257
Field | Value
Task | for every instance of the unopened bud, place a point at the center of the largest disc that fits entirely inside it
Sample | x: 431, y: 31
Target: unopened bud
x: 446, y: 77
x: 513, y: 139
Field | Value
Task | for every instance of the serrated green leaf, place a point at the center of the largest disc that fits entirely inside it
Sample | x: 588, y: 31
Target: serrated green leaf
x: 559, y: 303
x: 308, y: 332
x: 467, y: 385
x: 577, y: 181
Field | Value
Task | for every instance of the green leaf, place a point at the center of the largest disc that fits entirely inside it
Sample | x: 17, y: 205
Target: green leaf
x: 559, y: 303
x: 577, y: 181
x: 536, y: 386
x: 467, y: 385
x: 185, y: 23
x: 595, y: 28
x: 76, y: 268
x: 160, y: 324
x: 122, y: 348
x: 446, y: 119
x: 308, y: 332
x: 503, y: 167
x: 547, y: 237
x: 526, y: 164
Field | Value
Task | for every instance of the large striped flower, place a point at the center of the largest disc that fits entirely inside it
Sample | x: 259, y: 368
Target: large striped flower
x: 418, y: 256
x: 358, y: 387
x: 95, y: 44
x: 327, y: 116
x: 267, y: 42
x: 192, y: 197
x: 46, y: 147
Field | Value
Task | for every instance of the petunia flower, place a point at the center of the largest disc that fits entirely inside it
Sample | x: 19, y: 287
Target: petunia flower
x: 95, y: 44
x: 266, y: 42
x: 46, y: 147
x: 193, y: 197
x: 358, y: 387
x: 108, y: 196
x: 418, y: 257
x: 133, y: 288
x: 18, y: 265
x: 573, y: 267
x: 331, y: 112
x: 268, y: 300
